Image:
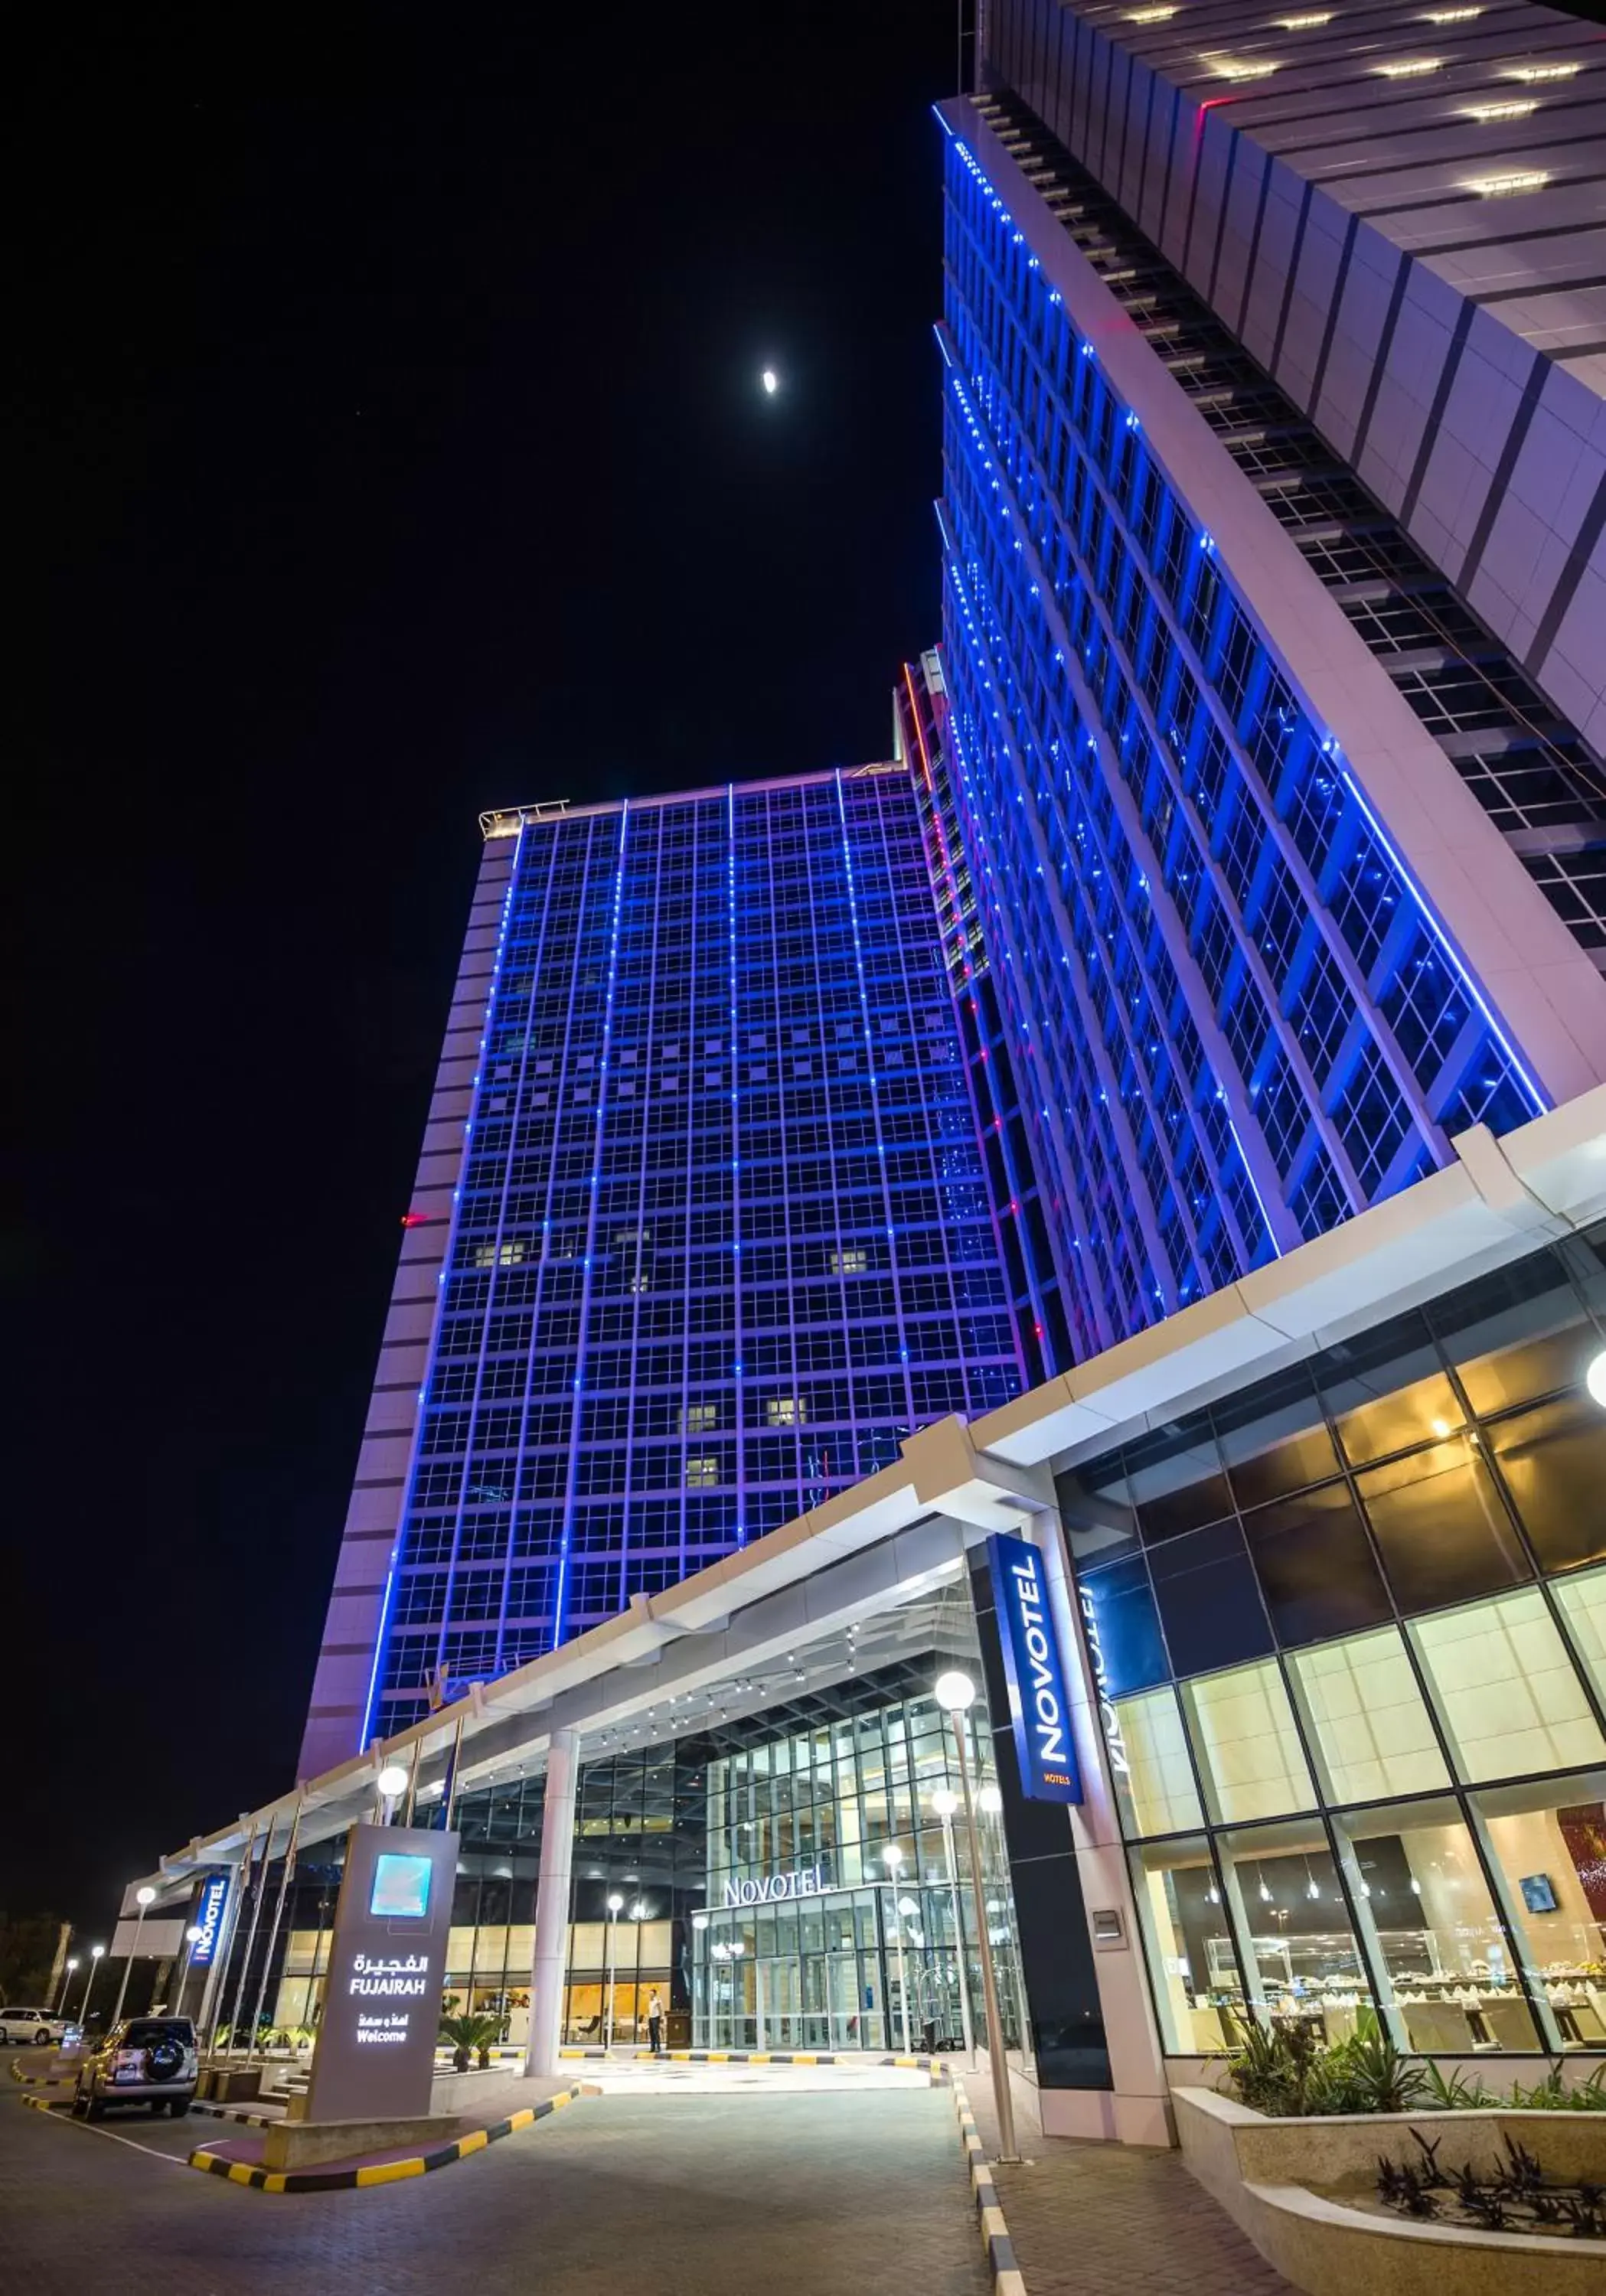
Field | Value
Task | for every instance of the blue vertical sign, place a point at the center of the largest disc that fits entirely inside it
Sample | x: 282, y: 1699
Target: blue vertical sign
x: 209, y: 1921
x: 1036, y: 1676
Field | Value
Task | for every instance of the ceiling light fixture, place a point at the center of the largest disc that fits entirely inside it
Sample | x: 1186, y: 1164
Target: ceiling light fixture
x: 1518, y: 108
x: 1500, y: 187
x: 1409, y: 68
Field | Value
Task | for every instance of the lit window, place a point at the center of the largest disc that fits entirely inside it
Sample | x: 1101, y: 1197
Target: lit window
x: 1239, y: 67
x: 702, y: 1474
x: 1532, y: 72
x: 1518, y: 108
x: 1450, y: 15
x: 786, y: 1411
x: 1500, y: 187
x: 499, y: 1255
x: 1549, y: 1842
x: 1303, y: 23
x: 851, y: 1261
x: 1409, y: 67
x: 699, y: 1418
x: 1156, y: 1793
x: 1150, y: 15
x: 1509, y: 1696
x: 1246, y: 1744
x: 1365, y: 1719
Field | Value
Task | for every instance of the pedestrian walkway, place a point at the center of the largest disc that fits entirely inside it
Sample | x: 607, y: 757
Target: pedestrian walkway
x: 1116, y: 2220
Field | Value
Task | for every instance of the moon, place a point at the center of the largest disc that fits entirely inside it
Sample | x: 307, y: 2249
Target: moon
x: 770, y: 382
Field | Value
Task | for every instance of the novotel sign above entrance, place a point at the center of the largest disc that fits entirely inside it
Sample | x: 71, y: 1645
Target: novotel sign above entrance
x: 776, y: 1888
x: 1036, y: 1676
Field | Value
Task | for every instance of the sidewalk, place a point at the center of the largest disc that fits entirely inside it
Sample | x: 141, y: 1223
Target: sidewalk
x: 1113, y: 2220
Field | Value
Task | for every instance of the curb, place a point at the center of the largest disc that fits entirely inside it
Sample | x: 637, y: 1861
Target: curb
x: 38, y: 2080
x: 1007, y: 2279
x: 236, y: 2112
x: 381, y: 2172
x: 49, y: 2103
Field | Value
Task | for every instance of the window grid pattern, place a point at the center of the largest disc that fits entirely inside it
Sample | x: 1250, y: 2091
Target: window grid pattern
x: 1357, y: 1040
x: 1263, y: 1544
x: 723, y: 1236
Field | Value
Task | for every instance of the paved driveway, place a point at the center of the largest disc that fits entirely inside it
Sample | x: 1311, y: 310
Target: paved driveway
x: 693, y: 2194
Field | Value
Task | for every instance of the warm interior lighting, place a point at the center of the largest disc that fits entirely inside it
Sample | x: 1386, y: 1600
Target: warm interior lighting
x: 1522, y: 179
x: 1518, y: 108
x: 1238, y: 67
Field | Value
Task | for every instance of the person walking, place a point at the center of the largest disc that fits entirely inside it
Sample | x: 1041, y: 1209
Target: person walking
x: 655, y: 2021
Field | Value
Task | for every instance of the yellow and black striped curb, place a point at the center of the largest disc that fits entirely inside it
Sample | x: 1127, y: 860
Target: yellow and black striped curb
x: 934, y: 2065
x: 236, y: 2112
x: 48, y: 2103
x: 38, y: 2080
x: 381, y: 2172
x: 989, y: 2217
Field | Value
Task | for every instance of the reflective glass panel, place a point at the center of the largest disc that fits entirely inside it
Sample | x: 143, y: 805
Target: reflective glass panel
x: 1298, y: 1950
x: 1245, y: 1744
x: 1442, y: 1526
x: 1554, y: 1458
x: 1509, y: 1697
x: 1366, y: 1719
x: 1582, y: 1601
x: 1316, y: 1565
x: 1549, y: 1844
x: 1156, y: 1792
x: 1197, y: 1992
x: 1435, y: 1936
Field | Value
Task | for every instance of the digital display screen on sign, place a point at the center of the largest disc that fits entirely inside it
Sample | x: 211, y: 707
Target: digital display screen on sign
x: 1038, y: 1707
x: 401, y: 1887
x: 209, y: 1921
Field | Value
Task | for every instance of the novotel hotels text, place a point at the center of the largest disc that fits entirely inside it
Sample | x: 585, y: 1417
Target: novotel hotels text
x: 1036, y: 1676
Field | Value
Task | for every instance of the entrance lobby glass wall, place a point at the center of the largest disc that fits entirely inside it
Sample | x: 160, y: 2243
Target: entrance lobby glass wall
x: 1353, y: 1619
x: 852, y: 1810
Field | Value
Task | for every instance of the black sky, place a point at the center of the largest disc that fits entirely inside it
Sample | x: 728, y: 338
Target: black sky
x: 388, y: 445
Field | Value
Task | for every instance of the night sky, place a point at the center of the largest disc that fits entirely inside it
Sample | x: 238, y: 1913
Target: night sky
x: 391, y: 446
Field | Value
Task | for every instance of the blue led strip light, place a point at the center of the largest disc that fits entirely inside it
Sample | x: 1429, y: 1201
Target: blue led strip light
x: 1530, y: 1086
x: 738, y: 1361
x: 561, y: 1601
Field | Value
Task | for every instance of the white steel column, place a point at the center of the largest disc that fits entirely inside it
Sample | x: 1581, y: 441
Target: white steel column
x: 547, y: 1968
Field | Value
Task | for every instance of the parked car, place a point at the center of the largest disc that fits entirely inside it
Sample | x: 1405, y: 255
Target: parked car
x: 141, y: 2061
x: 32, y: 2027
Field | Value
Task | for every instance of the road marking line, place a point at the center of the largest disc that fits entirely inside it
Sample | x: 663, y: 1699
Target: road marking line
x: 92, y: 2128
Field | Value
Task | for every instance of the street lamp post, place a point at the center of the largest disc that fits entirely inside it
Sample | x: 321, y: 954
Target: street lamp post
x: 72, y: 1963
x: 955, y: 1692
x: 142, y: 1898
x: 891, y: 1857
x: 96, y: 1952
x: 615, y: 1907
x: 945, y: 1804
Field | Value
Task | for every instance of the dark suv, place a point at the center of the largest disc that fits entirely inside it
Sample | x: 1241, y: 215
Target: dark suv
x: 141, y: 2061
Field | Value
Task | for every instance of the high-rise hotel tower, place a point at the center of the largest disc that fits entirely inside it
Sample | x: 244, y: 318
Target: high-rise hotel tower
x: 1274, y: 621
x: 699, y: 1233
x: 1244, y: 846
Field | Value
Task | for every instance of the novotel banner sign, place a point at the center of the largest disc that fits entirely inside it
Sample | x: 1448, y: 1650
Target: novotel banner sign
x: 209, y: 1921
x: 1038, y: 1707
x: 776, y: 1888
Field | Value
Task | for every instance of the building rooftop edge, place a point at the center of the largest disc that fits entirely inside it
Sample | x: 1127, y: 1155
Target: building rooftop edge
x: 506, y: 821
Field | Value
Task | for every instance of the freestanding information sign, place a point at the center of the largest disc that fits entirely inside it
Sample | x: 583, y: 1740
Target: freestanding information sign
x: 375, y: 2055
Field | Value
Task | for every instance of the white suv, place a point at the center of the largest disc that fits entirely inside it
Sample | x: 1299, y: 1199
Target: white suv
x: 36, y: 2026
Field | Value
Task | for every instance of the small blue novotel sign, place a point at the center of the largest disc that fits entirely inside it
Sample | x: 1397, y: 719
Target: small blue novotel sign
x: 209, y: 1921
x: 1032, y: 1661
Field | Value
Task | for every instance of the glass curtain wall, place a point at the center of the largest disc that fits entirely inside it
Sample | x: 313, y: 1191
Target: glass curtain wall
x: 1355, y: 1620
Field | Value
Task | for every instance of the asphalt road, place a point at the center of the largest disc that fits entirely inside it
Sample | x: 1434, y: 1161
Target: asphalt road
x: 693, y: 2194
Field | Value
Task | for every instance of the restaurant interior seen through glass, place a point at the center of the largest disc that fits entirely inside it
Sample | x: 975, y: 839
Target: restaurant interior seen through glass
x: 1353, y: 1621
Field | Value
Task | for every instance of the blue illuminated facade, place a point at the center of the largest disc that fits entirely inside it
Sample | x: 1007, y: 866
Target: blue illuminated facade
x: 1212, y: 1012
x: 722, y: 1236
